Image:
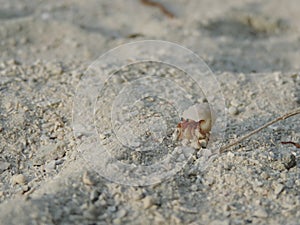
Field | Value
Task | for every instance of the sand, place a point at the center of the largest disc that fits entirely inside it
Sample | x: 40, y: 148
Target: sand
x: 57, y: 124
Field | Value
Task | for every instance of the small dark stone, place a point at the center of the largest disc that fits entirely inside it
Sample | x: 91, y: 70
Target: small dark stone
x: 292, y: 163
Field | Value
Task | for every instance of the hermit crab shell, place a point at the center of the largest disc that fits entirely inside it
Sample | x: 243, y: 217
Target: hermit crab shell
x: 201, y: 112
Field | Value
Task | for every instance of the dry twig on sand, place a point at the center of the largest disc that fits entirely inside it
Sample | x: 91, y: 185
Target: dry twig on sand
x: 237, y: 141
x: 162, y: 8
x: 297, y: 145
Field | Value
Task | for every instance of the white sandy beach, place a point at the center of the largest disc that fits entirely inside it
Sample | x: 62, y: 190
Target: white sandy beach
x: 253, y: 50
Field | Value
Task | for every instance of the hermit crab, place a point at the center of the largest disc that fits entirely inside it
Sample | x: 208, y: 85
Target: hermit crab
x: 195, y: 126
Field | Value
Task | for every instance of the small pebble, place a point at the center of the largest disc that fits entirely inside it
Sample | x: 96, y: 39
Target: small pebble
x: 194, y: 187
x: 121, y: 213
x: 117, y: 221
x: 25, y: 188
x: 94, y: 195
x: 264, y: 175
x: 87, y: 179
x: 278, y: 187
x: 271, y: 156
x: 233, y: 110
x: 50, y: 166
x: 59, y: 161
x: 4, y: 166
x: 230, y: 154
x: 291, y: 162
x: 148, y: 202
x: 235, y: 102
x: 18, y: 179
x: 112, y: 209
x: 117, y: 80
x: 102, y: 136
x: 261, y: 213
